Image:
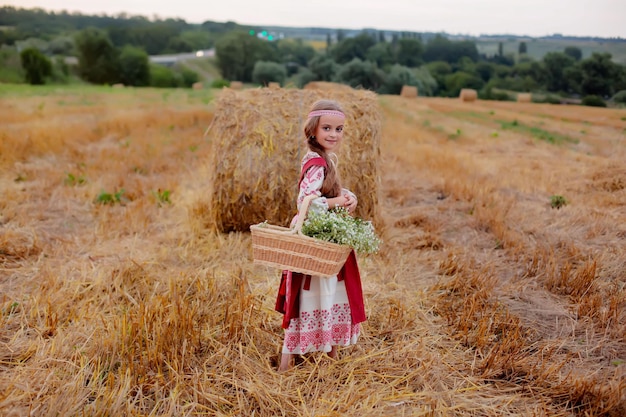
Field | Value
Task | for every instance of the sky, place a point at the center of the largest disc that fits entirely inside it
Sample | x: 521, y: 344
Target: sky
x: 601, y: 18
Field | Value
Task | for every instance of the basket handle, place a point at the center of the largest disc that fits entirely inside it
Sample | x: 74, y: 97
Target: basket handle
x: 304, y: 207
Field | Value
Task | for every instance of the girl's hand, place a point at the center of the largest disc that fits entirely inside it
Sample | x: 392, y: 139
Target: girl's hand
x: 350, y: 203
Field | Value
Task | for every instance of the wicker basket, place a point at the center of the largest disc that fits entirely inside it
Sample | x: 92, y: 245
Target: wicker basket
x: 289, y: 249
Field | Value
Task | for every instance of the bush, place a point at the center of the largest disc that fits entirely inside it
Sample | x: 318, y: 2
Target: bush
x: 364, y: 74
x: 220, y: 83
x: 548, y: 99
x: 134, y: 66
x: 162, y: 77
x: 304, y: 77
x: 397, y: 77
x: 593, y: 101
x: 36, y: 66
x: 490, y: 93
x: 188, y: 77
x: 265, y: 72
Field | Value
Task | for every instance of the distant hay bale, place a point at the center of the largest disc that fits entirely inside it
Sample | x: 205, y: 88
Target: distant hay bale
x: 236, y: 85
x: 257, y: 144
x: 118, y: 85
x: 524, y: 98
x: 197, y: 86
x: 408, y: 91
x: 273, y: 85
x: 467, y: 94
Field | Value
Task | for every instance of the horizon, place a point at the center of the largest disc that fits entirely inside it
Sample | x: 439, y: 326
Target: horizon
x: 453, y: 17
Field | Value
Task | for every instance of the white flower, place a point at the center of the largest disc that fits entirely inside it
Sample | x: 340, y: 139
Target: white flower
x: 338, y: 226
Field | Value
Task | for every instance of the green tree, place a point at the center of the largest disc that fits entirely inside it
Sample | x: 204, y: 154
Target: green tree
x: 36, y: 66
x: 97, y: 57
x: 237, y: 52
x: 397, y: 77
x: 574, y: 52
x: 600, y: 75
x: 409, y: 52
x: 162, y: 77
x: 350, y: 48
x: 382, y: 54
x: 555, y: 64
x: 134, y: 66
x: 304, y: 77
x: 265, y: 72
x: 459, y: 80
x: 323, y: 68
x: 426, y: 83
x: 295, y: 51
x: 364, y: 74
x: 522, y: 49
x: 441, y: 48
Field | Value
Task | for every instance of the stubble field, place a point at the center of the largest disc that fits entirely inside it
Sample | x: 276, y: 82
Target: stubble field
x: 485, y: 300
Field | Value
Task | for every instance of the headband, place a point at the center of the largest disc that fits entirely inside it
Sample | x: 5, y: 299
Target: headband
x: 326, y: 113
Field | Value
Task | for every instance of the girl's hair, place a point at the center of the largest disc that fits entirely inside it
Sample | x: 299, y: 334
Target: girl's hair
x: 332, y: 184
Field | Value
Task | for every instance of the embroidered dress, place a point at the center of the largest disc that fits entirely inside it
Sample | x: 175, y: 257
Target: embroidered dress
x: 324, y: 317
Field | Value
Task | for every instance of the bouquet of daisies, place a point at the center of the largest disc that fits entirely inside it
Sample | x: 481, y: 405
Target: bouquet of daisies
x: 338, y: 226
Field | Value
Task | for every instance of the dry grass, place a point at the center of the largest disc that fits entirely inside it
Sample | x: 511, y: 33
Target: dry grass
x: 485, y: 300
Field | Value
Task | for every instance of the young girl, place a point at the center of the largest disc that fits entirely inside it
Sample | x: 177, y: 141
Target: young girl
x: 321, y: 313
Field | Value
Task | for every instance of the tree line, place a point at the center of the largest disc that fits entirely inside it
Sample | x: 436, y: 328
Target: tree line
x: 439, y: 67
x: 115, y: 49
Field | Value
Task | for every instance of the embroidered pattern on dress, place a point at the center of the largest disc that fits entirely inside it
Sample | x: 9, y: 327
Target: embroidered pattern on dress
x: 319, y: 328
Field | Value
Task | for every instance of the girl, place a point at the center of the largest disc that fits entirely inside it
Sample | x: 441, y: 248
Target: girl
x: 321, y: 313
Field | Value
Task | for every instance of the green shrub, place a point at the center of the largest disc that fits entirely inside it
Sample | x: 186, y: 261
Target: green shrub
x: 593, y: 101
x: 188, y: 77
x: 558, y: 201
x: 220, y: 83
x: 162, y: 77
x: 37, y: 66
x: 265, y: 72
x: 134, y: 66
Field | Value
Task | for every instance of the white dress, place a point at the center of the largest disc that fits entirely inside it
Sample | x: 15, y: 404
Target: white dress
x: 324, y: 320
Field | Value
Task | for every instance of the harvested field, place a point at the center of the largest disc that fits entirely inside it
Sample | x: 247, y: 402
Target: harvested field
x: 486, y: 300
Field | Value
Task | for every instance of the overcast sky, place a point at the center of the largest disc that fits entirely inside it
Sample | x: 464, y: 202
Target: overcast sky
x: 604, y: 18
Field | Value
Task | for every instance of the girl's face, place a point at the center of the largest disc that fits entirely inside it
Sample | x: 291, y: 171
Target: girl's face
x: 329, y: 132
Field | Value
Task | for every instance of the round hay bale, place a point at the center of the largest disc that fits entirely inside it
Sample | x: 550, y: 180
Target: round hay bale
x: 327, y: 86
x: 118, y: 85
x: 257, y: 143
x: 273, y: 85
x: 408, y: 91
x: 467, y: 94
x: 524, y: 98
x: 197, y: 86
x: 236, y: 85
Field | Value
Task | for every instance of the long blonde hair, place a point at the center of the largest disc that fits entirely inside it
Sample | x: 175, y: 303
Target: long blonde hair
x: 331, y: 186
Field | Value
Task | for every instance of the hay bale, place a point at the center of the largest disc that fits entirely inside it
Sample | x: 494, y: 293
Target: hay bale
x: 524, y: 98
x: 408, y: 91
x: 467, y: 94
x: 197, y: 86
x: 327, y: 86
x: 273, y: 85
x: 257, y: 143
x: 236, y: 85
x: 118, y: 85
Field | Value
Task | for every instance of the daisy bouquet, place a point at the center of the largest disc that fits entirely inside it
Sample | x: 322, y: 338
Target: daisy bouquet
x: 338, y: 226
